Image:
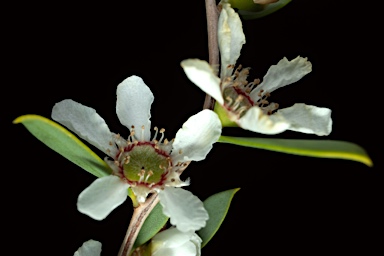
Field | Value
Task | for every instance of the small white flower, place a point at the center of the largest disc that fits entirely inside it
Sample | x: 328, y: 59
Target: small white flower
x: 174, y: 242
x: 245, y: 105
x: 89, y: 248
x: 145, y: 165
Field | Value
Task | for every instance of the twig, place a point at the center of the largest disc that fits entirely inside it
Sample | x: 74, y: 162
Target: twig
x: 213, y: 47
x: 138, y: 217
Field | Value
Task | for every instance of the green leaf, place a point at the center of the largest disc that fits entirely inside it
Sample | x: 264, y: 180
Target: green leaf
x: 313, y: 148
x: 217, y: 207
x: 152, y: 225
x: 268, y: 9
x: 65, y: 143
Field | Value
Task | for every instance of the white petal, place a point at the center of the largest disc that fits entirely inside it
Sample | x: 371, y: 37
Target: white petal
x: 102, y: 196
x: 230, y: 37
x: 307, y: 119
x: 89, y: 248
x: 255, y: 120
x: 195, y: 139
x: 172, y: 237
x: 202, y: 75
x: 86, y: 123
x: 188, y: 249
x: 133, y: 106
x: 185, y: 210
x: 284, y: 73
x: 196, y: 240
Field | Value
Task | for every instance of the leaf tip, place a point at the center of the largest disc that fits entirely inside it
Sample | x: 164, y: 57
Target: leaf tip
x: 24, y: 118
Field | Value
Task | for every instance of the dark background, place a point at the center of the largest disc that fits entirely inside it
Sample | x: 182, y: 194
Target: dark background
x: 287, y: 204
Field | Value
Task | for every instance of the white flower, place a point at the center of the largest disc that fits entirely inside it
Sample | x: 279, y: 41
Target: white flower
x: 172, y: 242
x: 89, y: 248
x: 145, y: 165
x: 249, y: 108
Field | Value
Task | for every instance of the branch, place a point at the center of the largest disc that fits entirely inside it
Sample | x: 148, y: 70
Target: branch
x: 213, y: 47
x: 140, y: 214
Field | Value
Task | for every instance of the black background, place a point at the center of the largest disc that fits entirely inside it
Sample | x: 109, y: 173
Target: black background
x: 287, y: 204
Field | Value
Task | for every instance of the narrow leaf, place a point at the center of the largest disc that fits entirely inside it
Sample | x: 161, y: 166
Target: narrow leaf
x: 217, y: 207
x: 65, y: 143
x: 313, y: 148
x: 152, y: 225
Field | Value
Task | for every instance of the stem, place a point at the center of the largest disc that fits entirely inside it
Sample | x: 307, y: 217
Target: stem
x: 213, y: 46
x: 139, y: 215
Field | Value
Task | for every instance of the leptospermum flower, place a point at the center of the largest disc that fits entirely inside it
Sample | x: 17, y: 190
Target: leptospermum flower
x: 174, y: 242
x: 242, y: 103
x: 143, y: 164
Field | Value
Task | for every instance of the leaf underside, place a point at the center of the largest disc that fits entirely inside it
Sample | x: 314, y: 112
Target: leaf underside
x: 313, y: 148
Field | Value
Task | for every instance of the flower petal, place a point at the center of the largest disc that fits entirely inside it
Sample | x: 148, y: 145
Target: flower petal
x: 255, y: 120
x: 195, y: 139
x: 133, y: 106
x: 89, y: 248
x: 202, y: 75
x: 230, y: 37
x: 171, y: 238
x: 185, y: 210
x: 284, y: 73
x: 307, y: 119
x: 196, y: 240
x: 102, y: 196
x: 86, y: 123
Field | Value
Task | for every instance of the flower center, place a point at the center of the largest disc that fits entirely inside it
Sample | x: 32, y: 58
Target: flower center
x: 236, y: 90
x: 145, y: 164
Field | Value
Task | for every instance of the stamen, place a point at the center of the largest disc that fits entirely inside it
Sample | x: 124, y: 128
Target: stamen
x: 238, y: 100
x: 141, y: 174
x: 131, y: 135
x: 156, y: 129
x: 142, y: 133
x: 149, y: 174
x: 230, y: 101
x: 162, y: 130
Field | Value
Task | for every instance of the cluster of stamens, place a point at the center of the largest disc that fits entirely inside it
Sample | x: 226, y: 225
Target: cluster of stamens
x: 236, y: 90
x: 141, y: 162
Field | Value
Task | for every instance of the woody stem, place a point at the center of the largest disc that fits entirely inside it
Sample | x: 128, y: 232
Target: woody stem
x: 139, y: 215
x: 213, y: 47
